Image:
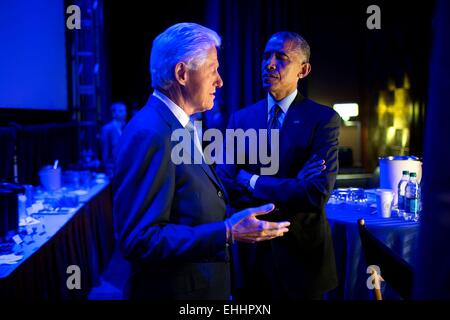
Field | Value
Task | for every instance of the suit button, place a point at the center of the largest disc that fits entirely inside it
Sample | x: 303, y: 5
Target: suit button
x: 220, y: 194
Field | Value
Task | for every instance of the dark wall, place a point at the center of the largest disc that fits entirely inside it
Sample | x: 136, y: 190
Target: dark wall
x: 36, y: 146
x: 349, y: 61
x: 352, y: 63
x: 130, y: 29
x: 334, y: 34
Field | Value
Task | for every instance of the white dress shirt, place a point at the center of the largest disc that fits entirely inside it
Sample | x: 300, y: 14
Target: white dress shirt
x: 179, y: 113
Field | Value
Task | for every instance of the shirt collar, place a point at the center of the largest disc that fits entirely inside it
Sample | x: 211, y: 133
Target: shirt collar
x: 283, y: 103
x: 179, y: 113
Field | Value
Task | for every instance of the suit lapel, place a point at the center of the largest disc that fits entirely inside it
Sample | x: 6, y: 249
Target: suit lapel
x: 209, y: 171
x: 295, y: 115
x: 212, y: 172
x: 174, y: 124
x: 256, y: 120
x: 260, y: 116
x: 293, y: 121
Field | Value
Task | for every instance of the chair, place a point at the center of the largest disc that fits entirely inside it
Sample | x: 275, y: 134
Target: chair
x: 394, y: 270
x: 345, y: 156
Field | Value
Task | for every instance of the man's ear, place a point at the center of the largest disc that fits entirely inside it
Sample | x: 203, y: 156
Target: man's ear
x: 181, y: 73
x: 305, y: 69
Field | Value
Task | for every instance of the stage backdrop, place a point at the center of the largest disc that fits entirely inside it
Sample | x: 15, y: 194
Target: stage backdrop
x: 33, y: 56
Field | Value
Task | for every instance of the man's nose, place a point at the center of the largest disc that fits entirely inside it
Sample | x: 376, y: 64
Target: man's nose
x: 271, y: 63
x: 219, y: 82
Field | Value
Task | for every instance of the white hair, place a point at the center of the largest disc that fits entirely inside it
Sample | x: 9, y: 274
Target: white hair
x: 182, y: 42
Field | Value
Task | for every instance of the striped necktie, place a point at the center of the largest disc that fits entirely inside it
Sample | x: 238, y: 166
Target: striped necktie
x: 274, y: 120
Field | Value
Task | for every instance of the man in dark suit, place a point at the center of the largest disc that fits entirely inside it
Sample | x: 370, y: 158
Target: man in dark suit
x: 110, y: 135
x: 169, y: 214
x: 300, y: 265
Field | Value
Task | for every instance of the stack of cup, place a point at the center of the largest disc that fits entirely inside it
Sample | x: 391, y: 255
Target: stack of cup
x: 384, y: 202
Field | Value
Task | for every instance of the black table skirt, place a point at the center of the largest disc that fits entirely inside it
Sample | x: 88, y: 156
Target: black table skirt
x: 87, y: 241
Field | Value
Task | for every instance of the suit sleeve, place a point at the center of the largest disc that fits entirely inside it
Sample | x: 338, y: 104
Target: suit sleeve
x: 313, y: 194
x: 239, y: 196
x: 144, y: 190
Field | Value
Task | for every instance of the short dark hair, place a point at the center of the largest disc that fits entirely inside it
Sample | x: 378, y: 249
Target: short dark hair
x: 300, y: 44
x: 117, y: 103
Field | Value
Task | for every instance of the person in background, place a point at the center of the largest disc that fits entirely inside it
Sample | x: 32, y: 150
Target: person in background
x: 110, y: 135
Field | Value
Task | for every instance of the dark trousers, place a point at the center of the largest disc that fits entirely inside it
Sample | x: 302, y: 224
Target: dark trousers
x: 257, y: 280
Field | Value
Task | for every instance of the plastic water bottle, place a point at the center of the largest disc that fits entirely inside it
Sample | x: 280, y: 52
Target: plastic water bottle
x: 401, y: 193
x: 412, y: 198
x: 22, y: 208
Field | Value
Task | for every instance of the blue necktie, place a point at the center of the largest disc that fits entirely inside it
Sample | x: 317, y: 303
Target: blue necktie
x: 274, y: 120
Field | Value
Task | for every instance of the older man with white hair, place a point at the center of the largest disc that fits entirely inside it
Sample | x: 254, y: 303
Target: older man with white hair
x: 171, y: 217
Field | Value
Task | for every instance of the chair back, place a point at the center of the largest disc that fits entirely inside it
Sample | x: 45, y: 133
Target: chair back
x: 393, y: 268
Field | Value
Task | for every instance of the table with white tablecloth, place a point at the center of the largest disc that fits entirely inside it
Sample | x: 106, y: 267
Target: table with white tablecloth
x: 81, y: 237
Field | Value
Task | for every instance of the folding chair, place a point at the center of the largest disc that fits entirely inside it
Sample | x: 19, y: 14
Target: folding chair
x: 379, y: 257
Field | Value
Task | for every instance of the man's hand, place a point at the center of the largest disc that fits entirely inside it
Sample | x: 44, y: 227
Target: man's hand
x: 311, y: 169
x: 245, y: 227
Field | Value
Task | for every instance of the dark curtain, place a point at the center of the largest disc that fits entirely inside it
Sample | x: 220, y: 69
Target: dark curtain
x: 7, y: 143
x: 36, y: 146
x: 432, y: 280
x: 245, y: 27
x: 350, y: 62
x: 41, y: 145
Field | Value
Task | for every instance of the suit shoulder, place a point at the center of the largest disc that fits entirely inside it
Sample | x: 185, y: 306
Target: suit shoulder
x: 146, y: 125
x: 148, y: 119
x: 256, y: 107
x: 108, y: 127
x: 321, y: 110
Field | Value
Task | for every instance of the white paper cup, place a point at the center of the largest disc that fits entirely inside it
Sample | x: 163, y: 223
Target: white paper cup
x: 384, y: 202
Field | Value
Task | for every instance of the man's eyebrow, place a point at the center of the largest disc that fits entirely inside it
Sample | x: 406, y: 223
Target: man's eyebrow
x: 277, y: 51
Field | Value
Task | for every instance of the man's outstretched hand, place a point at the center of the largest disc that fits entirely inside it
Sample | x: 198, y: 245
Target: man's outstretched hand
x: 246, y: 227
